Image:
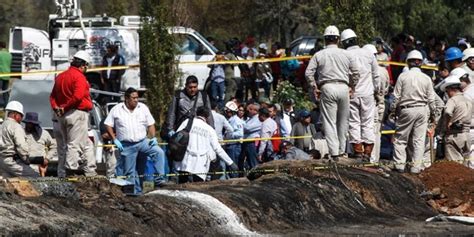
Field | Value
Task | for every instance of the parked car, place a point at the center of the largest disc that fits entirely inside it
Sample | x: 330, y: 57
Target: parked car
x: 305, y: 46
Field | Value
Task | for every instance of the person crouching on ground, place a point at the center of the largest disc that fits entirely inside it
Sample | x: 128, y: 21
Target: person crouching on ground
x: 14, y: 155
x: 42, y: 146
x: 290, y: 152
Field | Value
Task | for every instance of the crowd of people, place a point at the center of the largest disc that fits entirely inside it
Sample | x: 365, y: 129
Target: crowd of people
x: 229, y: 126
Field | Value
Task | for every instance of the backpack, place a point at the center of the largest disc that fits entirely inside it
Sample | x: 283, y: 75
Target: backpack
x: 293, y: 65
x: 178, y: 143
x: 190, y: 113
x: 276, y: 143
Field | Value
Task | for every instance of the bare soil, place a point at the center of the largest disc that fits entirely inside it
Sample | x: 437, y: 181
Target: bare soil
x: 452, y: 186
x: 296, y: 202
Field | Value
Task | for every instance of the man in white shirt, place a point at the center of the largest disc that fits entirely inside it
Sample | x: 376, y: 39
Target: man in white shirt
x: 134, y: 137
x: 202, y: 143
x: 222, y: 127
x: 269, y: 127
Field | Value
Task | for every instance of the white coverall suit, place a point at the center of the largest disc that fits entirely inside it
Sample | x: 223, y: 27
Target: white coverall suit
x: 336, y: 69
x: 362, y: 103
x: 384, y: 83
x: 413, y: 97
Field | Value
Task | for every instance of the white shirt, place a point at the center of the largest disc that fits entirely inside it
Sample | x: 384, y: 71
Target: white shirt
x: 109, y: 64
x: 221, y: 124
x: 130, y: 126
x: 469, y: 91
x: 201, y: 147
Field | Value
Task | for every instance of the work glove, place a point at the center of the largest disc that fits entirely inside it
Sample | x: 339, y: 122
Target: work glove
x: 171, y: 133
x: 118, y: 144
x: 153, y: 142
x: 233, y: 168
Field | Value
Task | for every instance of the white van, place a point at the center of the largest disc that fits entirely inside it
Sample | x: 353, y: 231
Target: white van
x: 38, y: 50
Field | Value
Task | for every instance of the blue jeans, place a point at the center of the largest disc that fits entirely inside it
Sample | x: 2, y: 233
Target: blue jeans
x: 265, y: 86
x: 223, y: 166
x: 249, y: 151
x: 217, y: 92
x: 234, y: 151
x: 133, y: 159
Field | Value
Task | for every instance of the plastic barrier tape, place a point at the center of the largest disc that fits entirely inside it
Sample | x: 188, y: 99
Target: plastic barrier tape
x: 275, y: 170
x: 265, y: 60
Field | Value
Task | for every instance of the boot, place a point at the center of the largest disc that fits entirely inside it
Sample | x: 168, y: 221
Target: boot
x: 358, y: 150
x: 368, y: 152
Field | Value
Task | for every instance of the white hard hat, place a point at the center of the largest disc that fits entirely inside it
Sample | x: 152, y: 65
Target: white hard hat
x: 468, y: 53
x: 262, y: 46
x: 449, y: 81
x: 347, y: 34
x: 459, y: 72
x: 331, y: 31
x: 371, y: 48
x: 15, y: 106
x: 83, y: 55
x: 414, y: 54
x: 232, y: 106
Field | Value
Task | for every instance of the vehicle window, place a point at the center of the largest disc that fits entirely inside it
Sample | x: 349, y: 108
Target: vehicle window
x: 302, y: 47
x: 188, y: 45
x: 17, y: 39
x: 294, y: 50
x: 309, y: 46
x: 213, y: 48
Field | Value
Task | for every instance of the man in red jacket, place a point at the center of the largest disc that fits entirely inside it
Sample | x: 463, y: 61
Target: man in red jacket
x: 71, y: 102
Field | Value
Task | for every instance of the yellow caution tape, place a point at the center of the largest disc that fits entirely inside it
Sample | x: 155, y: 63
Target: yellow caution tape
x: 245, y: 172
x: 263, y: 60
x: 404, y: 64
x: 386, y: 132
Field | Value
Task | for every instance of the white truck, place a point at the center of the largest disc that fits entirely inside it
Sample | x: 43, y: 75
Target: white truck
x: 39, y: 50
x: 35, y: 50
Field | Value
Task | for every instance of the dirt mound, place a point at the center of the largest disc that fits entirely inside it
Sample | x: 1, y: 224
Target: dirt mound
x: 451, y: 188
x: 298, y: 200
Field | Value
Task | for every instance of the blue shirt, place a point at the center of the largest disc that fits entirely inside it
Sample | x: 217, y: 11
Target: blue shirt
x: 218, y: 74
x: 252, y: 127
x: 238, y: 128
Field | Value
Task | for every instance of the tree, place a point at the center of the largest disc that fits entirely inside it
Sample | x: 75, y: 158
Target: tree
x: 157, y: 58
x: 356, y: 15
x: 285, y: 20
x: 116, y: 8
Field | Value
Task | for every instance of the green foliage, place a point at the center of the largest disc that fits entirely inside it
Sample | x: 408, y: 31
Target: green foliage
x: 287, y: 90
x: 356, y: 15
x: 116, y: 8
x: 275, y: 20
x: 157, y: 58
x: 422, y: 19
